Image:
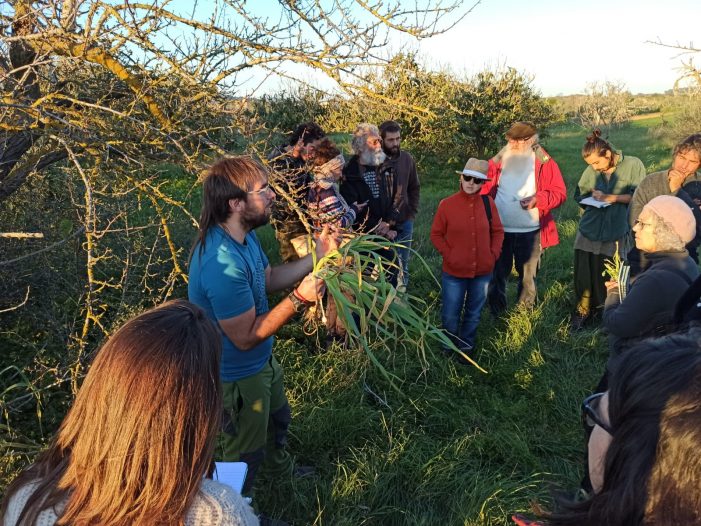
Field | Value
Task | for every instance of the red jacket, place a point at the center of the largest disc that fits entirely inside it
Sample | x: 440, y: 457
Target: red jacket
x: 462, y: 234
x: 550, y: 191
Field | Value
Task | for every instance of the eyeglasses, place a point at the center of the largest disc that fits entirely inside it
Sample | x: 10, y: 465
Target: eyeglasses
x: 472, y: 179
x: 261, y: 191
x: 374, y: 141
x: 641, y: 223
x: 590, y: 412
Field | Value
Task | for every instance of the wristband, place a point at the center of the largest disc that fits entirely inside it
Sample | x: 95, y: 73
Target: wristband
x: 300, y: 297
x: 297, y: 303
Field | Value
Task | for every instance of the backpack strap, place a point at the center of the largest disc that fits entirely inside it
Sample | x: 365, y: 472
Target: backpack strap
x: 487, y: 209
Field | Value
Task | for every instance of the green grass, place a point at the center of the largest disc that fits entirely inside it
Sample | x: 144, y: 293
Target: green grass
x: 453, y: 445
x: 457, y: 446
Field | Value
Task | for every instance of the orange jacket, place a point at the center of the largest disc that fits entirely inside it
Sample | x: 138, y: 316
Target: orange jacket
x: 462, y: 234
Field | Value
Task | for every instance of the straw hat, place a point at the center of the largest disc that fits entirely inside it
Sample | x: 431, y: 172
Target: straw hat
x: 476, y: 168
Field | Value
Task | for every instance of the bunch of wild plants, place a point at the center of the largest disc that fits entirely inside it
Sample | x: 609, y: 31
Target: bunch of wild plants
x: 612, y: 267
x: 375, y: 315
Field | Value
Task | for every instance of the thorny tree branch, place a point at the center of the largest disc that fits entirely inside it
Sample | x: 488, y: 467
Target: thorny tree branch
x: 104, y: 99
x: 690, y: 72
x: 19, y: 305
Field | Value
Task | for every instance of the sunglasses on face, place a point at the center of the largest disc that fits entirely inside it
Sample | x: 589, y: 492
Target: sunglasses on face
x: 472, y: 179
x: 590, y: 412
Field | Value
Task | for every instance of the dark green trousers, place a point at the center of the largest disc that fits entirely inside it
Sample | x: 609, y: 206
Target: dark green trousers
x: 255, y: 423
x: 589, y: 282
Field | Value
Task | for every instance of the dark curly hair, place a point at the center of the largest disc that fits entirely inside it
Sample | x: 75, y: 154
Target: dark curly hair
x: 325, y: 151
x: 308, y: 132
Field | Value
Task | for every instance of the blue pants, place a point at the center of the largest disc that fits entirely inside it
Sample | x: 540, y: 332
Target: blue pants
x: 463, y: 297
x: 521, y: 250
x: 405, y: 232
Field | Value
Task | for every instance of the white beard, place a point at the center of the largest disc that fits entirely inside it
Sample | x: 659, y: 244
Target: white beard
x: 371, y: 158
x: 517, y: 162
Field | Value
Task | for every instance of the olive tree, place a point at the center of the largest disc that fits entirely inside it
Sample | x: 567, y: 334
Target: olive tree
x: 605, y: 105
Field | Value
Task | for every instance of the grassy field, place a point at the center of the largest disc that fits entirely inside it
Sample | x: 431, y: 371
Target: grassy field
x: 456, y: 446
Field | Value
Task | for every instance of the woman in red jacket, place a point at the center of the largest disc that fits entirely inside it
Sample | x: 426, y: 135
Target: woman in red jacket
x: 468, y: 234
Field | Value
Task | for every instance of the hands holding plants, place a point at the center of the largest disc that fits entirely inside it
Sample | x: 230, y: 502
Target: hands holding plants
x: 310, y: 289
x: 326, y: 242
x: 611, y: 287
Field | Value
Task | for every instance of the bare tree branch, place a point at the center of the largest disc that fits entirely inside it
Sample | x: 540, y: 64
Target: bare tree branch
x: 19, y: 305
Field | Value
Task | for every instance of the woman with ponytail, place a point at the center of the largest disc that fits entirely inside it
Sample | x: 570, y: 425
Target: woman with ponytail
x: 603, y: 192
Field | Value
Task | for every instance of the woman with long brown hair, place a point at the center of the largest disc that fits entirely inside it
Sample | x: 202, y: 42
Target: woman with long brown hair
x: 139, y: 439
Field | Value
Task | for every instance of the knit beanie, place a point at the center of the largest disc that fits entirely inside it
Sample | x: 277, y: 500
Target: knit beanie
x: 676, y: 214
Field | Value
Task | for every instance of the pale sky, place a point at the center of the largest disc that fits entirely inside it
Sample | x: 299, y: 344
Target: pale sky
x: 566, y: 44
x: 563, y: 44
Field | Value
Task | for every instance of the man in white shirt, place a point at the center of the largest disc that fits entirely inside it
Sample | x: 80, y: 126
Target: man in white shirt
x: 526, y: 185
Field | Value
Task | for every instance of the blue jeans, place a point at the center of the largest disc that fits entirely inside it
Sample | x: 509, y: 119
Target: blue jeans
x: 405, y: 232
x: 463, y: 297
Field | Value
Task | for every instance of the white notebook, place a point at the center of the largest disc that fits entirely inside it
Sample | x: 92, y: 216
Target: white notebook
x: 231, y: 473
x: 590, y: 201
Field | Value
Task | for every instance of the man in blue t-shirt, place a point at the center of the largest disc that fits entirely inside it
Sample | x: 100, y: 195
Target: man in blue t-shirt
x: 229, y: 278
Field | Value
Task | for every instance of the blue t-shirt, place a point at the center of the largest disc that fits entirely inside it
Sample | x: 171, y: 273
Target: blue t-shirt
x: 226, y: 280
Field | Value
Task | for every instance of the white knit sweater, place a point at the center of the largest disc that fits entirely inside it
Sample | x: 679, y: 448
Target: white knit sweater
x: 214, y: 505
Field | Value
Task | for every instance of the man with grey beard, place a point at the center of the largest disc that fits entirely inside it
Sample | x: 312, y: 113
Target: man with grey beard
x: 365, y: 181
x: 526, y: 185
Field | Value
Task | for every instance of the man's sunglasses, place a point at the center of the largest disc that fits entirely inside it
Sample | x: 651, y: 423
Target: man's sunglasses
x: 472, y: 179
x: 590, y: 412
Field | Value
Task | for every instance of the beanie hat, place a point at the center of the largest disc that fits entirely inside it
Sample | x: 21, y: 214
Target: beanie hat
x: 676, y: 213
